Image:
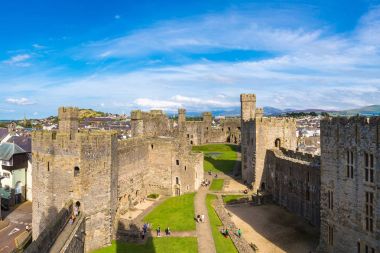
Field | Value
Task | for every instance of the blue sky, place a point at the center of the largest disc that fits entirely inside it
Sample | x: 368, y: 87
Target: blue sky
x: 201, y: 55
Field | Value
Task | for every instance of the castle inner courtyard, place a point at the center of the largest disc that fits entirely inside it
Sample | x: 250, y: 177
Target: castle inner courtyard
x: 273, y: 229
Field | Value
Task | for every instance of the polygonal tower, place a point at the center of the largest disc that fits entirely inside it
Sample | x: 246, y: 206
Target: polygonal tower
x: 137, y: 123
x: 68, y: 120
x: 248, y: 106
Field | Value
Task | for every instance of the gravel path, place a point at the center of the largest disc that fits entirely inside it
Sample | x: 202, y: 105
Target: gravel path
x: 204, y: 234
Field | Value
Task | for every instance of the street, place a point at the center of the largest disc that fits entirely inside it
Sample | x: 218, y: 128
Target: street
x: 19, y: 218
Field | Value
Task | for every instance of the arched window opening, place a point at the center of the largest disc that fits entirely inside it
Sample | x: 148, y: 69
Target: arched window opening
x: 76, y: 171
x: 277, y: 143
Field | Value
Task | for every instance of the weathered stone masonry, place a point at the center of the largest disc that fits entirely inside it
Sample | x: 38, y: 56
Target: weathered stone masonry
x: 350, y: 184
x: 107, y: 175
x: 202, y: 132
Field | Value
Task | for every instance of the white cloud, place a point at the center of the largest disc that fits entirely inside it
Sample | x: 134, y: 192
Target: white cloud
x: 308, y: 67
x: 20, y: 101
x: 19, y: 60
x: 38, y: 46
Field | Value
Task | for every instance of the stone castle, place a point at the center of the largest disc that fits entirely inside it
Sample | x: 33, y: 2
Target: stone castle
x: 339, y: 191
x: 107, y: 175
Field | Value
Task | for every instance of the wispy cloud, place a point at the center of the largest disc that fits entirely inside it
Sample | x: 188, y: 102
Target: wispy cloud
x: 191, y: 103
x: 309, y: 66
x: 19, y: 60
x: 20, y: 101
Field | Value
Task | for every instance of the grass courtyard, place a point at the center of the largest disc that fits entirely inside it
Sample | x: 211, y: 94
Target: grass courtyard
x: 177, y: 213
x: 231, y: 198
x: 217, y: 184
x: 154, y: 245
x: 218, y: 157
x: 222, y: 244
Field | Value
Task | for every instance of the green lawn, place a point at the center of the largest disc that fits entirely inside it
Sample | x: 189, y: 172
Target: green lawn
x: 230, y: 198
x: 218, y: 157
x: 177, y: 213
x: 222, y: 244
x: 217, y: 184
x: 154, y: 245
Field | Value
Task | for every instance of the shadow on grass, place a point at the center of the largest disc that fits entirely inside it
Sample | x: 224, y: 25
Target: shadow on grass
x: 129, y: 240
x: 224, y: 166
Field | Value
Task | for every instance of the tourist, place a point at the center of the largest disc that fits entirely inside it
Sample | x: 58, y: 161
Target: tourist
x: 198, y: 218
x: 226, y: 233
x: 167, y: 231
x: 142, y: 235
x: 76, y: 210
x: 158, y: 231
x: 238, y: 233
x: 203, y: 218
x: 145, y: 227
x: 72, y: 219
x: 216, y: 175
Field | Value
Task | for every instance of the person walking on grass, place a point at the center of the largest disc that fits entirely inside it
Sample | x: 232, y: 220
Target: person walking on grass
x: 158, y: 231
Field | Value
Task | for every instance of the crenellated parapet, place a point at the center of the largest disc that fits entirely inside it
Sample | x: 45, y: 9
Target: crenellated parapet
x: 352, y: 131
x: 312, y: 159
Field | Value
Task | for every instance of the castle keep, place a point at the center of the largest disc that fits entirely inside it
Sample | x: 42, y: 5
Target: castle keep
x: 259, y: 134
x: 350, y: 185
x: 107, y: 175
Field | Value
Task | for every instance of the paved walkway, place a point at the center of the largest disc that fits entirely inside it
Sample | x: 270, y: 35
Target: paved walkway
x: 175, y: 234
x: 18, y: 219
x: 204, y: 234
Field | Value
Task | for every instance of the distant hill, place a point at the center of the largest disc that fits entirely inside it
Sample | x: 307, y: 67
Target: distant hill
x: 372, y: 110
x: 89, y: 113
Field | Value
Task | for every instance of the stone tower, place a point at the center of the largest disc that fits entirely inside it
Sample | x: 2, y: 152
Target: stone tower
x: 248, y: 106
x: 207, y: 118
x: 259, y: 113
x: 181, y: 118
x: 68, y: 120
x: 137, y: 123
x: 259, y: 134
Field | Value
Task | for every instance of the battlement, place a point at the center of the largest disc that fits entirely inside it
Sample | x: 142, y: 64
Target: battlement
x: 259, y: 112
x: 276, y: 121
x: 156, y: 112
x: 68, y: 113
x: 305, y: 157
x: 346, y: 121
x: 247, y: 98
x: 206, y: 114
x: 181, y: 111
x: 51, y: 136
x: 136, y: 114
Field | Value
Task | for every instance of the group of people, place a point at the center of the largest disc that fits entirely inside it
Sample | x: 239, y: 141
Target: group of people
x: 205, y: 182
x: 210, y: 173
x: 146, y: 226
x: 226, y: 232
x: 167, y: 231
x: 200, y: 218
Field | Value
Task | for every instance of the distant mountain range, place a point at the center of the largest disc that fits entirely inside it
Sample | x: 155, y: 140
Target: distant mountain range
x: 372, y: 110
